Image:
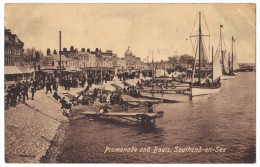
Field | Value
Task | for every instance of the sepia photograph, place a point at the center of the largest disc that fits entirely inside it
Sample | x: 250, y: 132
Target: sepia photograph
x: 129, y: 83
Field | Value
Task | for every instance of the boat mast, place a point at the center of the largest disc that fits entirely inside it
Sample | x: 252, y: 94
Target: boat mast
x: 153, y: 66
x: 199, y: 44
x: 221, y: 51
x: 212, y: 65
x: 232, y: 55
x: 101, y: 72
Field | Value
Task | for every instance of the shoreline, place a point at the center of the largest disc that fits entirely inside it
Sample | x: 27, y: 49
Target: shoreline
x: 30, y: 129
x: 54, y: 148
x: 39, y: 136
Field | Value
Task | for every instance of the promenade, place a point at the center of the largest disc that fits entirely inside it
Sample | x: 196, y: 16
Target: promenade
x: 31, y: 127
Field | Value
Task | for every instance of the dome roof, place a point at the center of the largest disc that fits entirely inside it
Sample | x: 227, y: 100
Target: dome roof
x: 128, y: 52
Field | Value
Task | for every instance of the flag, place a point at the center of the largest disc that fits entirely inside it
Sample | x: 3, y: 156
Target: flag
x: 221, y: 26
x: 233, y: 39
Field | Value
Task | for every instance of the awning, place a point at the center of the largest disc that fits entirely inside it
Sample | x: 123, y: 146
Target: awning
x: 72, y: 69
x: 12, y: 70
x: 44, y: 68
x: 24, y: 70
x: 75, y: 69
x: 98, y: 68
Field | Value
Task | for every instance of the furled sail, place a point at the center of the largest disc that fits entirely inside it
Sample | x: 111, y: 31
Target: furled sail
x: 217, y: 72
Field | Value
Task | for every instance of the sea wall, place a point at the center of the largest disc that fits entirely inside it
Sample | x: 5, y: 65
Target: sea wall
x: 30, y: 128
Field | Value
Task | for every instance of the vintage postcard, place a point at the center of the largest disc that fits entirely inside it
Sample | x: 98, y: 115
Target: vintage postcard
x: 130, y: 83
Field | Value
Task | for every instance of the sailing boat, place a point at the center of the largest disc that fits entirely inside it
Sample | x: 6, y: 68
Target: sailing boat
x: 227, y: 70
x: 205, y: 87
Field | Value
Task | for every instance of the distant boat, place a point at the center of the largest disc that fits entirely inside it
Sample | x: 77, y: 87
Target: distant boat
x: 205, y: 87
x: 229, y: 62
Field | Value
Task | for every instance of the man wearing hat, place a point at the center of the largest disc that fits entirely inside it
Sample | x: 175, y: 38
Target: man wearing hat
x: 13, y: 95
x: 32, y: 91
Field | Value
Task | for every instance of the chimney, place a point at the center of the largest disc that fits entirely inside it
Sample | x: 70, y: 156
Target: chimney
x: 72, y: 48
x: 83, y: 50
x: 48, y: 52
x: 55, y: 52
x: 64, y: 49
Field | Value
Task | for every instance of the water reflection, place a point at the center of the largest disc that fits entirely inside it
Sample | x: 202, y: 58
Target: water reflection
x: 226, y: 120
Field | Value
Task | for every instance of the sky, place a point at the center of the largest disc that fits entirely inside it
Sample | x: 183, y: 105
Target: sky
x: 161, y: 29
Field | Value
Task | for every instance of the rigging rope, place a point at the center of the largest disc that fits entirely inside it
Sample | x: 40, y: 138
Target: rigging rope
x: 207, y: 29
x: 205, y: 22
x: 194, y: 23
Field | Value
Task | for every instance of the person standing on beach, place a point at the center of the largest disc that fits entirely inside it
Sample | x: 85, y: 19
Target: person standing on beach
x: 18, y: 91
x: 54, y: 84
x: 69, y: 83
x: 48, y: 87
x: 13, y: 95
x: 32, y: 91
x: 26, y: 88
x: 22, y: 91
x: 8, y: 96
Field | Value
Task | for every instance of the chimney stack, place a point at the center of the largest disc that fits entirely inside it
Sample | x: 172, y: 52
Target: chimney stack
x: 48, y: 52
x: 72, y: 48
x: 54, y: 51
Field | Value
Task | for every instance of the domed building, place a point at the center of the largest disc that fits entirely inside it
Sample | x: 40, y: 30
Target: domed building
x: 128, y: 52
x: 130, y: 59
x: 133, y: 62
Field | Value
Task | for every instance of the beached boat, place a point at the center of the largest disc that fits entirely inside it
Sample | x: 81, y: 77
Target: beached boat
x: 205, y: 87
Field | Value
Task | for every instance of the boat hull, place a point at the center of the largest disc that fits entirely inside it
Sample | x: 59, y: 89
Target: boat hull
x: 204, y: 91
x: 226, y: 77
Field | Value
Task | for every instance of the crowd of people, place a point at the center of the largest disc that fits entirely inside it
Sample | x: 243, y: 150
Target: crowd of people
x: 19, y: 92
x: 130, y: 75
x: 51, y: 82
x: 94, y: 77
x: 72, y: 80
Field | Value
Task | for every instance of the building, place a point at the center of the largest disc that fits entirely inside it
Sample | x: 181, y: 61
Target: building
x: 13, y: 49
x: 86, y: 59
x: 74, y: 63
x: 121, y: 64
x: 104, y: 61
x: 133, y: 62
x: 53, y: 60
x: 72, y: 53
